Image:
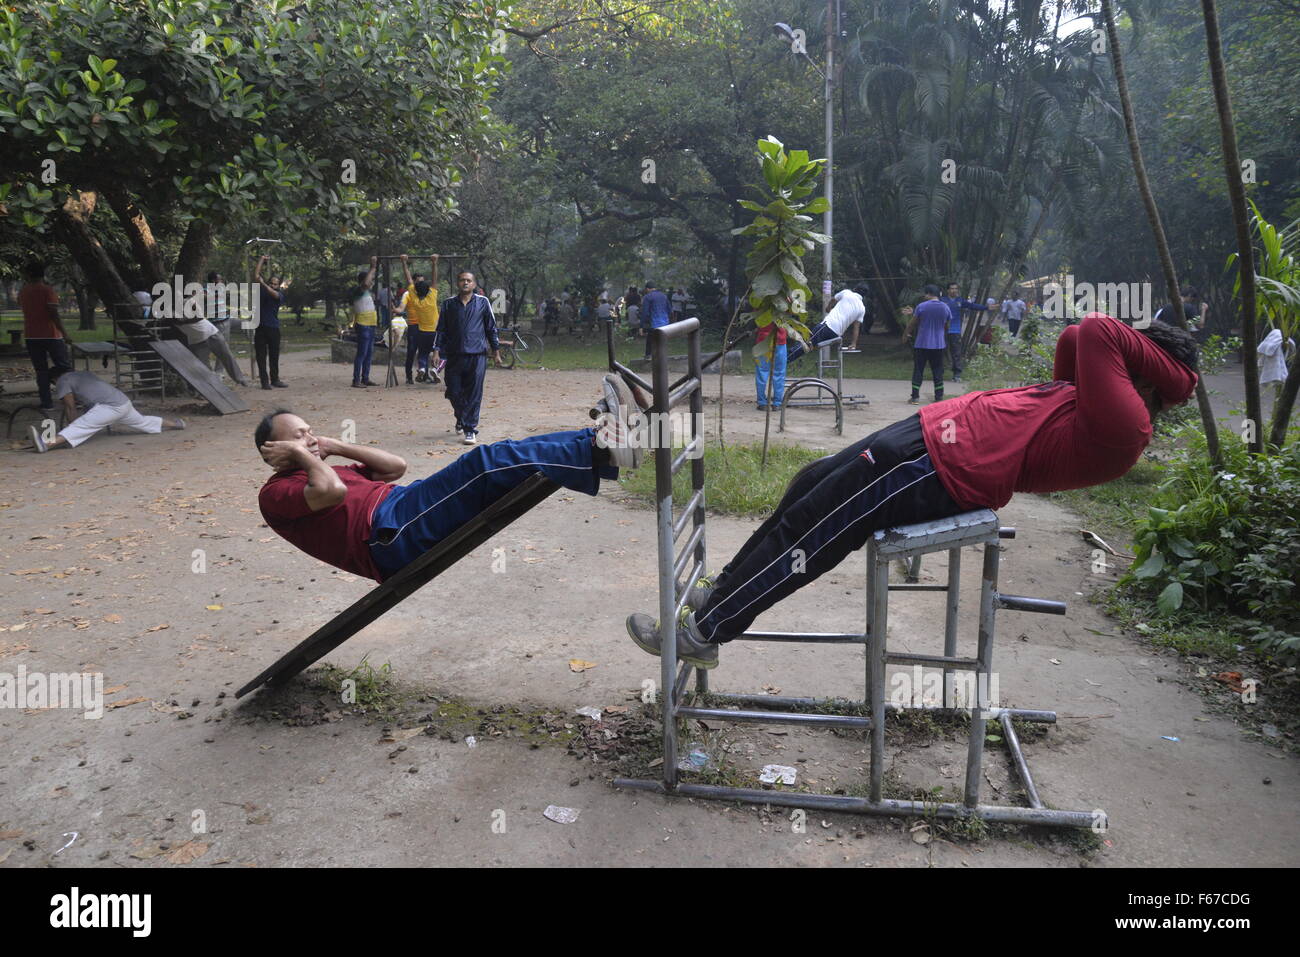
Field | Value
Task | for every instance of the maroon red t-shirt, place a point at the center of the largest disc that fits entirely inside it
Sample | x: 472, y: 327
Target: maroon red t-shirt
x: 338, y: 536
x: 1086, y: 428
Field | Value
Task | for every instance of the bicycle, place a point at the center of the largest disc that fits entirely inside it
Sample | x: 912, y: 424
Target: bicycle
x: 523, y: 347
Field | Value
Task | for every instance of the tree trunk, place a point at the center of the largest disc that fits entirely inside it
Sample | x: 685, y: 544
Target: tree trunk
x: 1153, y: 217
x: 72, y: 227
x: 143, y: 244
x: 1285, y: 403
x: 195, y: 251
x: 1240, y: 219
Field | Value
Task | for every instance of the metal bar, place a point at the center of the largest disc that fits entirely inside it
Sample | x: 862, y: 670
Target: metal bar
x: 1022, y: 767
x: 813, y: 637
x: 770, y: 717
x: 988, y: 608
x: 787, y: 701
x: 684, y: 559
x: 628, y: 374
x: 696, y: 500
x: 914, y: 570
x: 683, y: 391
x: 1043, y: 606
x: 906, y: 586
x: 667, y: 576
x: 696, y: 571
x: 906, y: 658
x: 686, y: 454
x: 855, y: 805
x: 878, y: 610
x: 683, y: 675
x: 950, y: 615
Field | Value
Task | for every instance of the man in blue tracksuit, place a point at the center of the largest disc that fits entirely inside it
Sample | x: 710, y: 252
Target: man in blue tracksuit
x: 956, y: 304
x: 467, y: 332
x: 655, y: 312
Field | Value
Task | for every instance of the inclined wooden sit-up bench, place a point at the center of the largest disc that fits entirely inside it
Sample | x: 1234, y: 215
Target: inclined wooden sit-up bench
x: 410, y: 579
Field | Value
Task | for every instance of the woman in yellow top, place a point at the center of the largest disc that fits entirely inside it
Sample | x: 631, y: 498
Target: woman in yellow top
x: 421, y: 302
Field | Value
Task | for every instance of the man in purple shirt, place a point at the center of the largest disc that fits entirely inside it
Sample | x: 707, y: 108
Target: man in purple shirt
x: 928, y: 325
x: 655, y: 309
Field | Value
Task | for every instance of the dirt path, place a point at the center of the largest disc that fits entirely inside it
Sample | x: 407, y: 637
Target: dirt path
x: 99, y: 546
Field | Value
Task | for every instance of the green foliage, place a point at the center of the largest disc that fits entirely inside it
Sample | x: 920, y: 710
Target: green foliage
x: 222, y: 110
x: 1225, y: 541
x: 778, y: 289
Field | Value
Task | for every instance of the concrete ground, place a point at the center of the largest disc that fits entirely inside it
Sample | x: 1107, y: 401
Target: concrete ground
x: 99, y: 551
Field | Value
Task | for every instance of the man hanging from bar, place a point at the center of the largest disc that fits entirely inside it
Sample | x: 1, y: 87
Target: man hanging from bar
x: 354, y: 518
x: 1086, y: 427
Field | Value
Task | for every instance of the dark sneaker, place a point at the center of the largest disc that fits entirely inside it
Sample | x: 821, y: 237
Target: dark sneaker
x: 914, y: 400
x: 358, y: 385
x: 280, y: 385
x: 421, y: 376
x: 371, y: 385
x: 266, y: 386
x: 644, y: 631
x: 471, y: 438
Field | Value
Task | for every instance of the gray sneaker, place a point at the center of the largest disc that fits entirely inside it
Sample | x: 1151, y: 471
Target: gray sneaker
x: 700, y: 593
x: 613, y: 432
x: 37, y: 441
x: 691, y: 649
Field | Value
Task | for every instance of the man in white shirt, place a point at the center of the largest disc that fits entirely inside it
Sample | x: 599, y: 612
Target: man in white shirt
x: 203, y: 340
x: 105, y: 406
x: 847, y: 310
x: 1014, y: 310
x: 679, y: 304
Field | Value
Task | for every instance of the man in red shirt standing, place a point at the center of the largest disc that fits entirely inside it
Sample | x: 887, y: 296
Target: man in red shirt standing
x: 1086, y: 427
x: 43, y: 329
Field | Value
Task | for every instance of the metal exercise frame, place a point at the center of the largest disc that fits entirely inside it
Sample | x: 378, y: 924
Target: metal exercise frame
x: 383, y: 277
x: 137, y: 370
x: 410, y: 579
x: 905, y: 543
x: 819, y: 382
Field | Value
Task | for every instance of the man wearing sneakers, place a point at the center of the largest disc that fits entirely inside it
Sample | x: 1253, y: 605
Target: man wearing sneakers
x: 847, y: 310
x: 105, y: 406
x: 467, y: 332
x: 354, y: 518
x: 1087, y: 427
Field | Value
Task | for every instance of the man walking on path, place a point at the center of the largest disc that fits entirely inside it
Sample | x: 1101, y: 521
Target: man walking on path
x: 43, y: 329
x: 1013, y: 307
x: 956, y: 304
x: 105, y: 406
x: 467, y: 333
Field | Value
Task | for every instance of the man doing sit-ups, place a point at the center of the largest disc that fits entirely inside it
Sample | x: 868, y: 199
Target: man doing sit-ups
x: 354, y: 518
x: 1088, y: 426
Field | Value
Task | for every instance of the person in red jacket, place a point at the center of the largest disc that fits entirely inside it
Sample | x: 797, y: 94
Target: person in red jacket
x: 1086, y: 427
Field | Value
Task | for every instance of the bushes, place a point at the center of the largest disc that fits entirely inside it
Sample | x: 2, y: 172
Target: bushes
x: 1227, y: 541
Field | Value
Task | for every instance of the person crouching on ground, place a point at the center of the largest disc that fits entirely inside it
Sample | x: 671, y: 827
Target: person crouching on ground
x: 105, y: 406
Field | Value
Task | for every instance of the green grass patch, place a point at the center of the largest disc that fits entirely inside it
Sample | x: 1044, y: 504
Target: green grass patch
x: 737, y: 483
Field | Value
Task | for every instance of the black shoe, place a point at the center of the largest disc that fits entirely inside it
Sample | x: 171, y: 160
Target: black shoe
x: 358, y: 385
x: 371, y: 385
x: 280, y: 385
x: 266, y: 386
